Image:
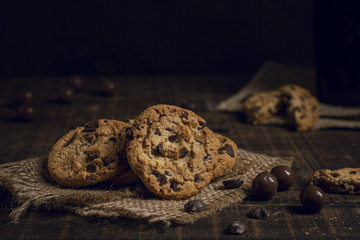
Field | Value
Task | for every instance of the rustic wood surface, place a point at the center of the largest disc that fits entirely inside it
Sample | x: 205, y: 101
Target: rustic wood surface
x: 311, y: 151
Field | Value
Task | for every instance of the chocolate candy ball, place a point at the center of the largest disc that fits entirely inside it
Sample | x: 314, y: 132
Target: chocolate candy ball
x: 312, y: 198
x: 25, y: 97
x: 26, y: 112
x: 66, y: 94
x: 265, y: 185
x: 107, y: 87
x: 285, y: 177
x: 76, y: 82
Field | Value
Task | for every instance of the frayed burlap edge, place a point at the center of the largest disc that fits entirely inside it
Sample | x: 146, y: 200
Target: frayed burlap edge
x: 30, y: 185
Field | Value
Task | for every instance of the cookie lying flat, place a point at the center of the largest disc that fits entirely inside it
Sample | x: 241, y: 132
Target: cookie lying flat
x: 345, y: 180
x: 301, y: 106
x: 89, y: 154
x: 262, y: 106
x: 172, y: 151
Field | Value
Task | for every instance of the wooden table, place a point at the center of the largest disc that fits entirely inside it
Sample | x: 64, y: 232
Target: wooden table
x: 340, y: 219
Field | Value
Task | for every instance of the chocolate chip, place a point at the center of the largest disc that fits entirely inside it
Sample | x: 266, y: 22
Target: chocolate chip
x: 137, y: 126
x: 91, y: 167
x: 169, y: 129
x: 25, y: 97
x: 184, y: 115
x: 233, y: 183
x: 228, y: 149
x: 235, y: 228
x: 195, y: 206
x: 197, y: 179
x: 66, y: 94
x: 157, y: 132
x: 106, y: 161
x: 71, y: 140
x: 183, y: 152
x: 202, y: 125
x: 352, y: 172
x: 172, y: 138
x: 90, y: 127
x: 174, y: 186
x: 159, y: 149
x: 167, y: 173
x: 76, y: 82
x: 258, y: 213
x: 93, y: 154
x: 107, y: 87
x: 89, y: 138
x: 207, y: 157
x: 26, y: 112
x: 160, y: 177
x: 91, y: 177
x: 129, y: 133
x: 113, y: 139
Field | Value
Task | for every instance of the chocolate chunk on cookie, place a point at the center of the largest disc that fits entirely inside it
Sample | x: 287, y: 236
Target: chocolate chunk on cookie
x: 345, y: 180
x: 89, y: 154
x: 263, y: 106
x: 174, y: 153
x: 227, y: 154
x: 302, y: 107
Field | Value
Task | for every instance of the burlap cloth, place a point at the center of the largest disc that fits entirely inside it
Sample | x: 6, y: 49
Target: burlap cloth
x: 29, y: 183
x: 271, y: 76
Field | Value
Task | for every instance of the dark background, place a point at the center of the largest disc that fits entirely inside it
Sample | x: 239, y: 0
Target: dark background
x: 57, y: 38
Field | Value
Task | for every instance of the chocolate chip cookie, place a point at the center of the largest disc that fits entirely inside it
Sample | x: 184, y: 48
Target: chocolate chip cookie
x: 89, y: 154
x: 262, y: 106
x: 173, y: 151
x: 301, y: 106
x: 345, y: 180
x: 227, y: 154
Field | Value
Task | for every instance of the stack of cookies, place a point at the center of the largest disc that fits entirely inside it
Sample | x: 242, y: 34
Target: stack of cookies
x: 290, y: 100
x: 170, y: 149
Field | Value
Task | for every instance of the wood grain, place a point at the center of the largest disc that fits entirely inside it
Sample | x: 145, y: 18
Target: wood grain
x: 311, y: 151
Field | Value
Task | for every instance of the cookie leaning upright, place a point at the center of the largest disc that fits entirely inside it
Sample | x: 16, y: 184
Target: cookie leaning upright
x: 301, y: 106
x: 172, y: 151
x: 263, y: 106
x: 89, y: 154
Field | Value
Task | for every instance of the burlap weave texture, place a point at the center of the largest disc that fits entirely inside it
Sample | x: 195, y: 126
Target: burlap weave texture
x: 30, y: 185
